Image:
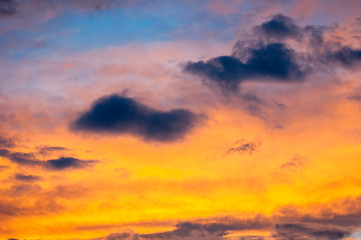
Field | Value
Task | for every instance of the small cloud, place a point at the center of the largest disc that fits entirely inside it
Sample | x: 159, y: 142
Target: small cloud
x: 46, y: 150
x: 116, y: 114
x: 27, y: 178
x: 279, y: 27
x: 296, y: 161
x: 245, y: 147
x: 68, y: 162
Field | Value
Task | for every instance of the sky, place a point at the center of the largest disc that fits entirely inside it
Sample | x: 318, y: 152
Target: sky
x: 180, y: 119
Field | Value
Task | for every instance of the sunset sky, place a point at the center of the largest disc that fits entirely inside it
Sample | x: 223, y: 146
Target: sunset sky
x: 180, y: 119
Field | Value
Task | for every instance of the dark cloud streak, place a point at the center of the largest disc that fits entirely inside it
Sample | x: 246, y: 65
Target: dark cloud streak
x: 62, y: 163
x: 68, y: 162
x: 27, y: 178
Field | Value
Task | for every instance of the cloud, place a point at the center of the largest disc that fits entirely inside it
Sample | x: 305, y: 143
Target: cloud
x: 279, y: 27
x: 24, y: 189
x: 27, y: 178
x: 8, y: 209
x: 309, y: 231
x: 296, y: 161
x: 271, y: 62
x: 7, y: 8
x: 68, y: 162
x: 248, y: 147
x: 6, y: 142
x: 30, y: 159
x: 20, y: 158
x: 266, y: 55
x: 116, y: 114
x: 53, y: 164
x: 211, y: 230
x: 321, y: 223
x: 95, y: 5
x: 347, y: 56
x: 122, y: 236
x: 46, y: 150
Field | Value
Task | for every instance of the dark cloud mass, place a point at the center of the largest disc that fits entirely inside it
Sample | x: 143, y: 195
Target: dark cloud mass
x: 272, y: 61
x: 347, y: 56
x: 122, y: 115
x: 279, y: 27
x: 7, y: 8
x: 267, y: 56
x: 68, y: 162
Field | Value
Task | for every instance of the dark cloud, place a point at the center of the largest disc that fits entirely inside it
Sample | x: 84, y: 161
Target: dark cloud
x: 20, y: 158
x: 300, y: 231
x: 6, y: 142
x: 68, y: 162
x: 123, y: 236
x: 249, y: 147
x: 213, y: 230
x: 96, y: 5
x: 347, y: 56
x: 116, y: 114
x: 355, y: 96
x: 286, y: 224
x: 186, y: 229
x: 273, y: 62
x: 315, y: 36
x: 267, y: 55
x: 296, y: 161
x: 7, y: 8
x: 53, y: 164
x: 27, y: 178
x: 45, y: 150
x: 279, y: 27
x: 90, y: 4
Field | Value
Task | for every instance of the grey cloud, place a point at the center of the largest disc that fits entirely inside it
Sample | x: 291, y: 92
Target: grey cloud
x: 27, y: 178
